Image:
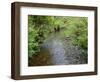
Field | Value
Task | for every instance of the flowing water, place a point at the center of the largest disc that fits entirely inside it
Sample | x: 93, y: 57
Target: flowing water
x: 62, y: 51
x: 58, y: 50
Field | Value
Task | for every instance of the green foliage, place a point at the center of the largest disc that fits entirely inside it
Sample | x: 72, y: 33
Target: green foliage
x: 77, y: 30
x: 37, y: 31
x: 40, y: 27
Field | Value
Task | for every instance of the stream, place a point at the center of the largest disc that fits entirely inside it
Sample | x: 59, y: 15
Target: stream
x: 58, y: 50
x: 61, y: 50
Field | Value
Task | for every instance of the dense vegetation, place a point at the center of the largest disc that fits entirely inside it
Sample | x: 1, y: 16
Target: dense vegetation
x: 40, y: 27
